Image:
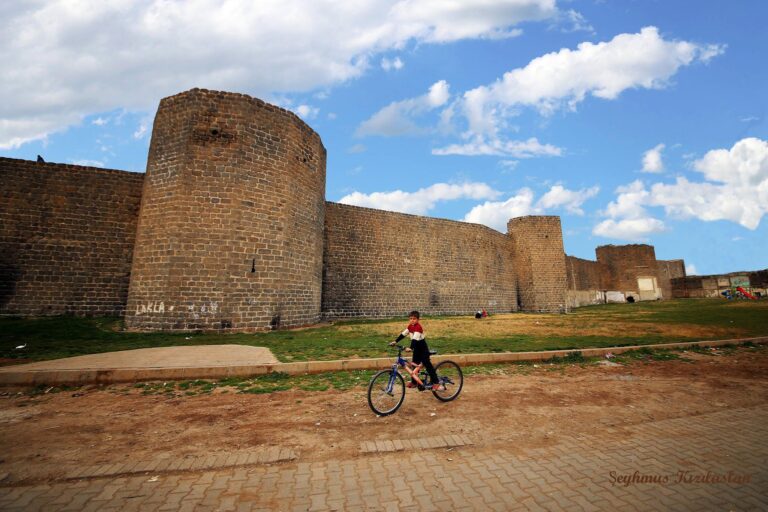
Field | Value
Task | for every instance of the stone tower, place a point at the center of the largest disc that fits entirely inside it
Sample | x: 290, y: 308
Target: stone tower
x: 539, y: 260
x: 230, y: 232
x: 631, y: 269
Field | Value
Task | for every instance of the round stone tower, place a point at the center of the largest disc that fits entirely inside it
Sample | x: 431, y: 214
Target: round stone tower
x: 230, y: 233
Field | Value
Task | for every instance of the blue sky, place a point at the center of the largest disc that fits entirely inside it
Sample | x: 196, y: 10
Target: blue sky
x: 635, y: 121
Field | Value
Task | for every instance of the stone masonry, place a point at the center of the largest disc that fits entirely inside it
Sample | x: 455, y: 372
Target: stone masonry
x: 380, y: 264
x: 625, y: 263
x: 540, y: 261
x: 233, y: 233
x: 230, y: 233
x: 66, y: 237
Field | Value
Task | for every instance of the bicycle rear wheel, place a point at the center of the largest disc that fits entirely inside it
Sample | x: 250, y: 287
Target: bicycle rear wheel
x: 384, y: 398
x: 450, y: 376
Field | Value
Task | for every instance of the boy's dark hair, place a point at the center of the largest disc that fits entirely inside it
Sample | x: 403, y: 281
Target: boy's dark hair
x: 414, y: 313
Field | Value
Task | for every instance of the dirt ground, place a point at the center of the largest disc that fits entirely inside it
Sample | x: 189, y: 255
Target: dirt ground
x: 521, y: 407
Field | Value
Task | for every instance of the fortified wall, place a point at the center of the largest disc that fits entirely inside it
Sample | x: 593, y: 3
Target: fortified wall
x: 66, y: 238
x: 754, y: 282
x: 374, y: 269
x: 230, y: 233
x: 621, y: 273
x: 229, y: 230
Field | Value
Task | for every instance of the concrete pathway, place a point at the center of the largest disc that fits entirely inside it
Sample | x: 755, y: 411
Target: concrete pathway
x: 162, y: 357
x: 714, y: 461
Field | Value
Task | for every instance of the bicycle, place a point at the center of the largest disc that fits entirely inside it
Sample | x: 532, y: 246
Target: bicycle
x: 386, y: 391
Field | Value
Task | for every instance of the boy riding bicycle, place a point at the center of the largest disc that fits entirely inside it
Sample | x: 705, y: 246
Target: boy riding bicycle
x: 420, y: 354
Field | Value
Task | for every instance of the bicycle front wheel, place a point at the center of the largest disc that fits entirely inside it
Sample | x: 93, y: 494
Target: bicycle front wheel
x: 386, y: 392
x: 450, y: 377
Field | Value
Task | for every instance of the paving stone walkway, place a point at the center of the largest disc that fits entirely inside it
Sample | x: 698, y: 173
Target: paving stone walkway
x: 715, y: 461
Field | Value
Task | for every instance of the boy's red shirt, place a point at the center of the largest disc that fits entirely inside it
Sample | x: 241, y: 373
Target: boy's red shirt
x: 415, y: 328
x: 415, y: 331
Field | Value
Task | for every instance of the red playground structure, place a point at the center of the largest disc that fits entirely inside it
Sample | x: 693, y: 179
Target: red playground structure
x: 745, y: 293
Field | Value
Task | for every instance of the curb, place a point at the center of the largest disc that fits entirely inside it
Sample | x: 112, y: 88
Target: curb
x: 121, y: 375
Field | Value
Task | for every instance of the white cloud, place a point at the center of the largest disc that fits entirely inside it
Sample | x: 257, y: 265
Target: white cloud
x: 633, y: 230
x: 745, y: 164
x: 514, y: 148
x: 508, y: 165
x: 100, y: 121
x: 357, y: 148
x: 390, y: 64
x: 332, y: 116
x: 652, y: 159
x: 565, y: 78
x: 573, y: 21
x: 63, y: 60
x: 690, y: 269
x: 307, y: 112
x: 88, y: 163
x: 421, y: 201
x: 630, y: 201
x: 142, y: 129
x: 441, y: 21
x: 735, y: 188
x: 628, y: 218
x: 570, y: 200
x: 397, y: 118
x: 495, y: 214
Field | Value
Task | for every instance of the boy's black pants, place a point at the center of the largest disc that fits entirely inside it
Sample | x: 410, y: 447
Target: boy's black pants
x: 428, y: 366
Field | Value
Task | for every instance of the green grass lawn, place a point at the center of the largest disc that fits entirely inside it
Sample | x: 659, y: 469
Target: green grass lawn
x: 594, y: 326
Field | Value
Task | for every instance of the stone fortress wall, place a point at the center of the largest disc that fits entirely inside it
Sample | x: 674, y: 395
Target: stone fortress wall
x: 380, y: 264
x: 233, y: 233
x: 66, y: 238
x: 230, y: 233
x: 537, y: 242
x: 621, y: 272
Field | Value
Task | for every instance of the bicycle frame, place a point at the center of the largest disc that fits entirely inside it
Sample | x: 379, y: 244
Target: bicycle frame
x: 400, y: 363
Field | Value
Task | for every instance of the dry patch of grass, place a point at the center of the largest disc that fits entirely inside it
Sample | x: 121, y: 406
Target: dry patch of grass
x: 542, y: 325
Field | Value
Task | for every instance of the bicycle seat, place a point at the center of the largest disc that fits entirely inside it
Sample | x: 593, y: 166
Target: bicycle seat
x: 432, y: 352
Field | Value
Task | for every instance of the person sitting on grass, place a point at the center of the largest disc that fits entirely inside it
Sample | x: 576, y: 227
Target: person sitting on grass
x: 420, y: 354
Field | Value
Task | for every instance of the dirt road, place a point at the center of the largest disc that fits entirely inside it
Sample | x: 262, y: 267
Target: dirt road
x: 516, y: 408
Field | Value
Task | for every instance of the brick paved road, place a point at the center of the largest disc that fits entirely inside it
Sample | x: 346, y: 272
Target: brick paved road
x: 595, y: 472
